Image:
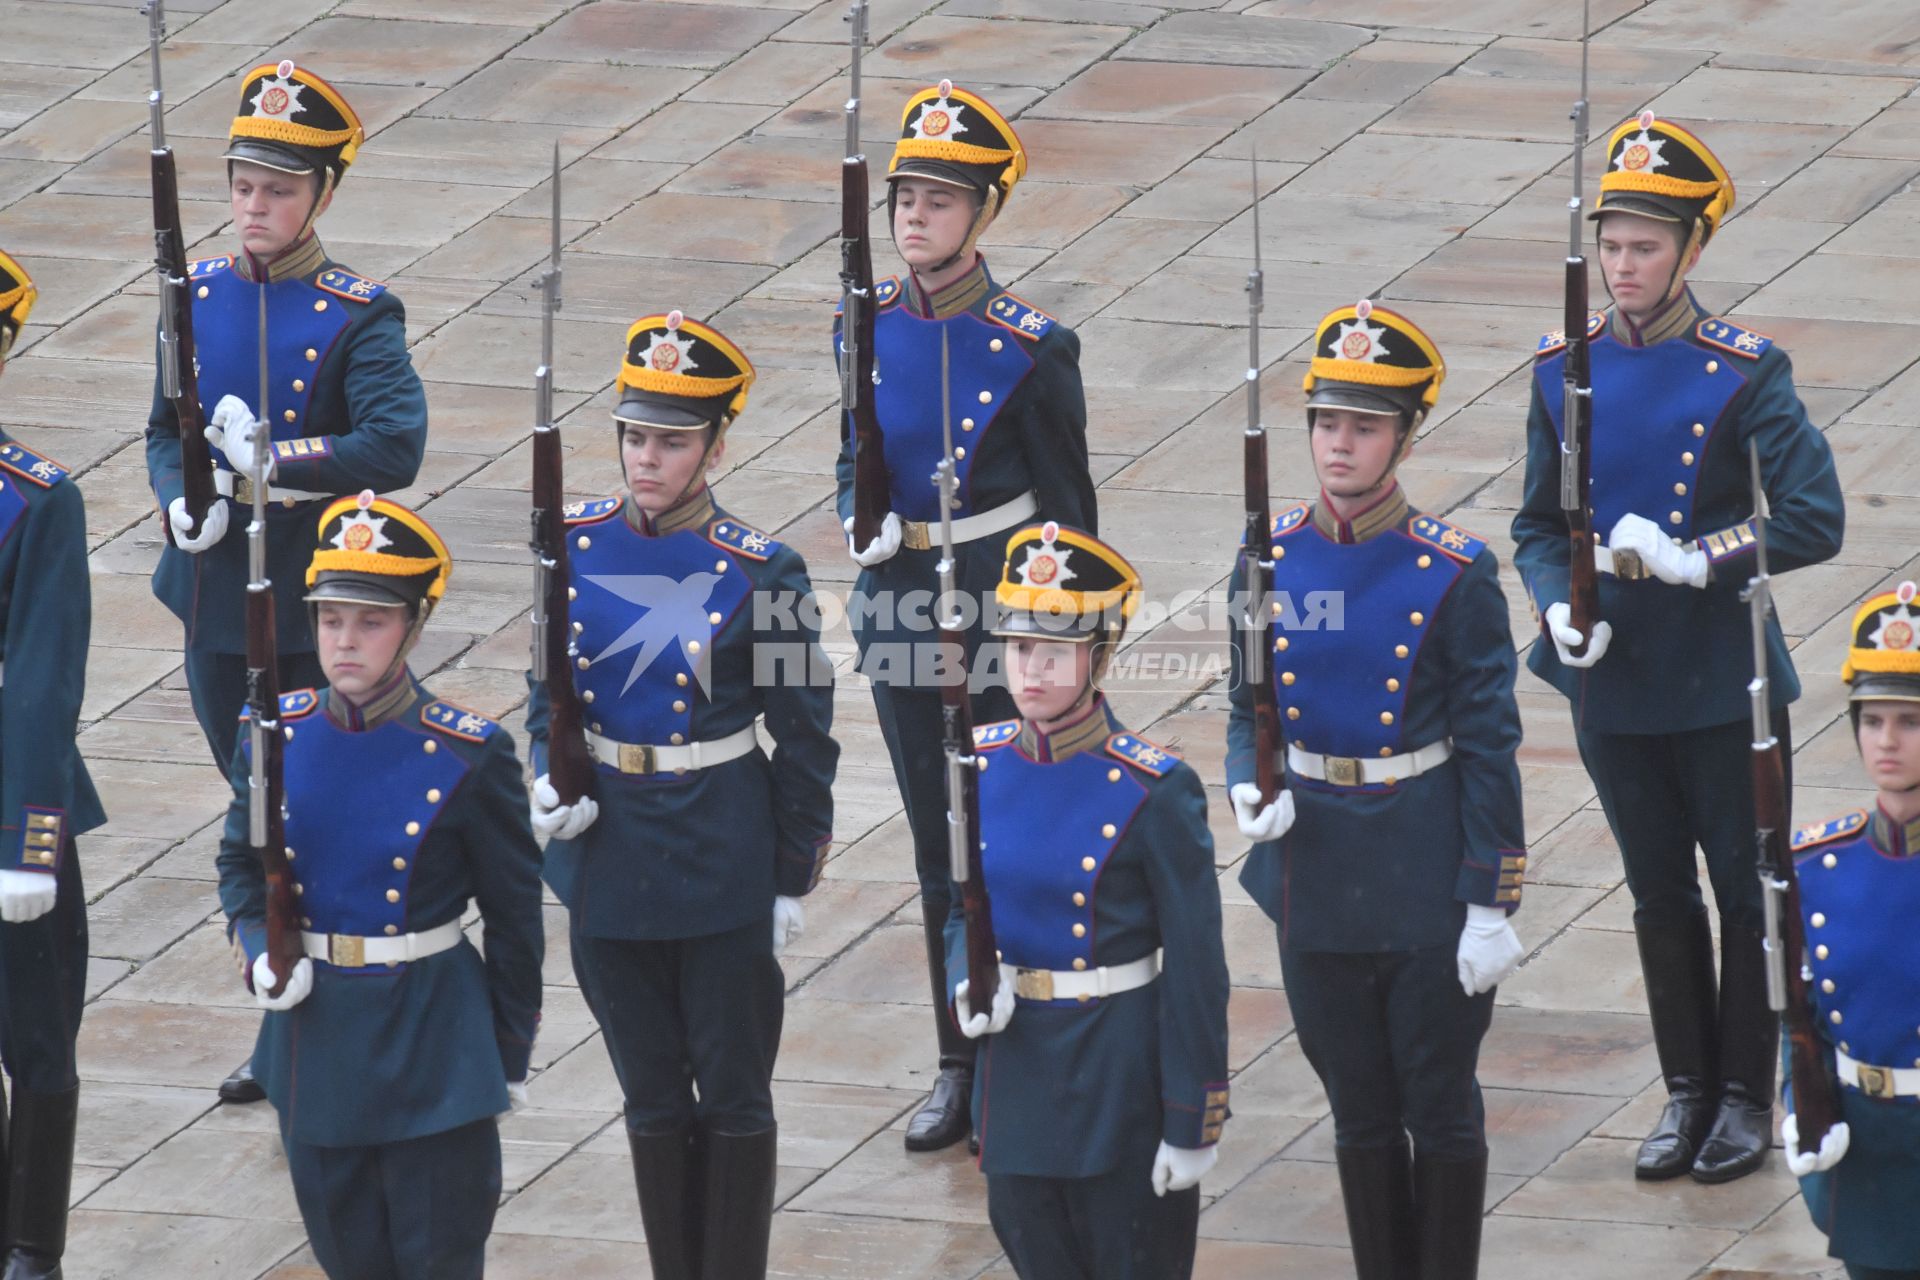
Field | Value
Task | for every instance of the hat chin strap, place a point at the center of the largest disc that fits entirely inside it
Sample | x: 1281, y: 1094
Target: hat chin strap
x: 989, y: 206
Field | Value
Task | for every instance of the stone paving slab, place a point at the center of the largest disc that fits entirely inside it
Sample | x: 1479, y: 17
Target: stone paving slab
x: 1407, y: 151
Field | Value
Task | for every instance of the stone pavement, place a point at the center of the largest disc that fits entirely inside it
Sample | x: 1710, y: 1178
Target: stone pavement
x: 1410, y: 151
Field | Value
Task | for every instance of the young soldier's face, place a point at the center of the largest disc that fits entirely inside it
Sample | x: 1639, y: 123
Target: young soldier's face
x: 1352, y: 451
x: 1046, y: 677
x: 660, y: 465
x: 1638, y: 256
x: 930, y: 221
x: 358, y: 644
x: 269, y: 207
x: 1889, y: 739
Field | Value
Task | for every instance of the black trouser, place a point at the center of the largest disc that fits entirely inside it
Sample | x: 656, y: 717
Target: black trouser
x: 420, y: 1209
x: 43, y: 987
x: 1107, y: 1227
x: 1395, y: 1040
x: 911, y: 724
x: 217, y: 683
x: 682, y: 1014
x: 1666, y: 793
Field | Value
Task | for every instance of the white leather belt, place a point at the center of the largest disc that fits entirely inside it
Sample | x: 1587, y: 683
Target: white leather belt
x: 350, y: 952
x: 1347, y: 771
x: 924, y: 535
x: 633, y: 757
x: 231, y: 484
x: 1085, y: 984
x: 1878, y: 1082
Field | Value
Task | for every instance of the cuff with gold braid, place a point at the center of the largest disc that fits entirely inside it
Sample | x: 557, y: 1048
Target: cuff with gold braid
x: 645, y: 758
x: 924, y: 535
x: 1877, y: 1082
x: 1346, y: 771
x: 348, y: 951
x: 43, y: 834
x: 1083, y: 985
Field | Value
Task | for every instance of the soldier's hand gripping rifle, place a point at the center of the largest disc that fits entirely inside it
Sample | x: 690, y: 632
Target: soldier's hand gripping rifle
x: 266, y: 790
x: 1576, y: 438
x: 569, y: 763
x: 1256, y: 556
x: 956, y: 736
x: 1816, y: 1095
x: 179, y: 371
x: 858, y: 418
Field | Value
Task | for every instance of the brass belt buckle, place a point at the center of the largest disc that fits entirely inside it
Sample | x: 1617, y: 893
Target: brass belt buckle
x: 243, y: 489
x: 1628, y: 565
x: 1875, y: 1082
x: 914, y: 535
x: 347, y: 950
x: 636, y: 758
x: 1343, y: 771
x: 1033, y: 984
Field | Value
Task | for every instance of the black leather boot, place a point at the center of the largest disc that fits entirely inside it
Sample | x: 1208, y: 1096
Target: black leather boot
x: 1449, y: 1203
x: 1676, y: 962
x: 667, y: 1176
x: 1376, y: 1183
x: 240, y: 1087
x: 740, y: 1172
x: 1749, y: 1054
x: 39, y: 1181
x: 947, y: 1116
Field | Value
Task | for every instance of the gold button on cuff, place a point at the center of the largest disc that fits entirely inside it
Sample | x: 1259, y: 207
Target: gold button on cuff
x: 1818, y: 920
x: 1087, y: 864
x: 1399, y: 651
x: 1386, y: 717
x: 1416, y: 617
x: 1293, y: 713
x: 1079, y: 931
x: 393, y: 895
x: 399, y: 864
x: 1108, y: 830
x: 1425, y: 562
x: 413, y: 828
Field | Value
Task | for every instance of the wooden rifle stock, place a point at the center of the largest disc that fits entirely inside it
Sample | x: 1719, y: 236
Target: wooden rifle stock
x: 1583, y: 579
x: 859, y: 420
x: 179, y: 370
x: 267, y: 794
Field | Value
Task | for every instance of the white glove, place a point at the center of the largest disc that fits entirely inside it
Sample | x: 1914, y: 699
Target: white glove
x: 558, y: 821
x: 26, y: 895
x: 789, y: 922
x: 1489, y: 950
x: 299, y: 984
x: 516, y: 1096
x: 212, y: 529
x: 974, y: 1025
x: 1832, y: 1147
x: 1667, y: 562
x: 1566, y: 636
x: 1257, y: 823
x: 1177, y: 1168
x: 881, y: 548
x: 230, y: 430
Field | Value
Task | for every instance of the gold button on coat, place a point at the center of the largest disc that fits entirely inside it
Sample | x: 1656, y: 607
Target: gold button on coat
x: 433, y: 795
x: 986, y: 397
x: 299, y: 384
x: 430, y: 746
x: 1079, y: 964
x: 1087, y: 864
x: 1820, y: 952
x: 1399, y: 651
x: 1108, y: 830
x: 399, y: 864
x: 203, y: 291
x: 393, y: 895
x: 583, y: 542
x: 1079, y: 899
x: 321, y: 305
x: 290, y: 415
x: 1113, y: 775
x: 413, y: 828
x: 1424, y: 561
x: 679, y: 705
x: 1293, y: 713
x: 1286, y: 677
x: 1079, y: 931
x: 1386, y: 717
x: 392, y: 929
x: 1818, y: 920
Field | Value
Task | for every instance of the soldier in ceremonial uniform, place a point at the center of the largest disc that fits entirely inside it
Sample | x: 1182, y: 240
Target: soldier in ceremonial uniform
x: 683, y: 879
x: 1393, y: 857
x: 1859, y: 894
x: 1661, y: 719
x: 1019, y: 423
x: 1102, y: 1086
x: 348, y: 412
x: 393, y: 1045
x: 46, y: 799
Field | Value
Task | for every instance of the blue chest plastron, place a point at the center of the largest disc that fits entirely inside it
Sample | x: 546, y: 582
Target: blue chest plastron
x: 1347, y: 640
x: 907, y: 400
x: 13, y: 505
x: 1654, y: 411
x: 303, y: 323
x: 1046, y: 832
x: 647, y: 610
x: 1866, y: 904
x: 353, y: 864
